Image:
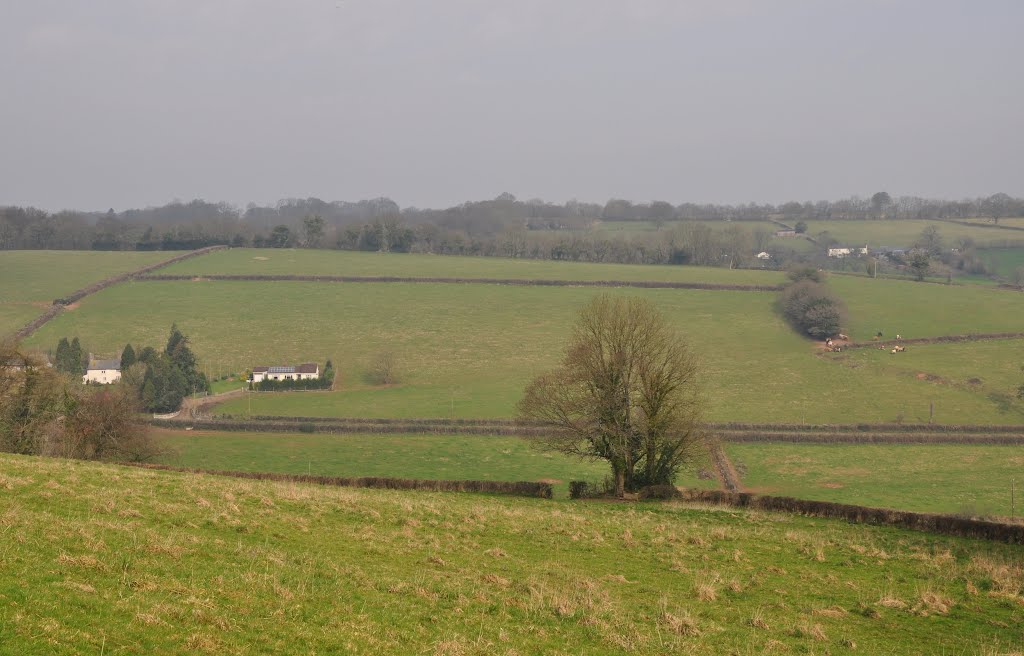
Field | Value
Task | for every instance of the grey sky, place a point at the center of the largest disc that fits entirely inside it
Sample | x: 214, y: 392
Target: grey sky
x: 136, y: 102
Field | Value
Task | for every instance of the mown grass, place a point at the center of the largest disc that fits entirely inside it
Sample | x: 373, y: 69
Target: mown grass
x: 943, y: 478
x: 448, y: 457
x: 104, y: 559
x: 273, y: 261
x: 469, y: 350
x: 30, y: 280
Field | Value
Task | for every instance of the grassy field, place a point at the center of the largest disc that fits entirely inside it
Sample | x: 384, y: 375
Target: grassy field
x: 1004, y: 261
x: 469, y: 350
x: 272, y: 261
x: 456, y: 457
x: 108, y: 560
x: 926, y: 310
x: 904, y: 233
x: 30, y: 280
x: 944, y: 478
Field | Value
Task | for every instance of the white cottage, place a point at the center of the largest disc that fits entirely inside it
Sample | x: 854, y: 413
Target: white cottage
x: 103, y: 372
x: 308, y: 371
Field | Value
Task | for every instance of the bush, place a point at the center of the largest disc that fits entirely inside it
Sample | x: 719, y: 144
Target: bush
x: 306, y: 427
x: 813, y: 309
x: 800, y: 274
x: 660, y: 492
x: 583, y: 490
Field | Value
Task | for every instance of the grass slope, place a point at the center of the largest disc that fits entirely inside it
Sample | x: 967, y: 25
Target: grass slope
x: 469, y: 350
x: 944, y: 478
x: 103, y: 559
x: 30, y: 280
x: 455, y: 457
x: 904, y: 233
x: 272, y: 261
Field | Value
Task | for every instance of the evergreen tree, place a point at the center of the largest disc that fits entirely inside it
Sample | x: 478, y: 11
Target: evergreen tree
x: 61, y: 358
x: 127, y: 357
x: 76, y: 358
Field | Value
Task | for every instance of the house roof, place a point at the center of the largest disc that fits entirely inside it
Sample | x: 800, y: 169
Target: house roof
x: 95, y: 365
x: 308, y: 368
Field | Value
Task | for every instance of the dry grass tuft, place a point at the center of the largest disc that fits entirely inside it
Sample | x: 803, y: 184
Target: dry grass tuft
x: 890, y: 601
x: 831, y: 611
x: 757, y: 620
x: 84, y: 562
x: 496, y: 580
x: 496, y: 553
x: 813, y: 631
x: 682, y: 624
x: 932, y: 602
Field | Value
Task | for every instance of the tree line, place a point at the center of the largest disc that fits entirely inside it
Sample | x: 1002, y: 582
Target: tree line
x: 504, y: 225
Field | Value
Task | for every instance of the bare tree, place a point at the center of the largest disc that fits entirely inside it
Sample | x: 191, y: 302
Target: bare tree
x: 628, y: 392
x: 383, y: 369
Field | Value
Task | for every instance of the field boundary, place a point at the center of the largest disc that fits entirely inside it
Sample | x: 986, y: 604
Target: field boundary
x: 941, y: 339
x: 60, y: 303
x: 526, y: 282
x: 511, y: 488
x: 788, y: 433
x: 928, y: 522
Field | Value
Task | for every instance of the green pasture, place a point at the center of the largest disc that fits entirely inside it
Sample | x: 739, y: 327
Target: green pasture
x: 30, y: 280
x: 469, y: 350
x: 446, y: 457
x: 913, y: 309
x: 942, y: 478
x: 1003, y: 261
x: 274, y: 261
x: 101, y: 559
x: 904, y: 233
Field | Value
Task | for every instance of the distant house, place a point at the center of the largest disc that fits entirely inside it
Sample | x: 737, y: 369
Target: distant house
x: 785, y: 233
x: 103, y: 372
x: 846, y: 251
x: 307, y: 371
x: 764, y: 255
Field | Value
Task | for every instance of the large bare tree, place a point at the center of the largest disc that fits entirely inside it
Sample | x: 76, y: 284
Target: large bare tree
x: 628, y: 391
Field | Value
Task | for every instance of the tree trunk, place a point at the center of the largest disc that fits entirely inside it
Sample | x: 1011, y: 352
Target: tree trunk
x: 620, y: 482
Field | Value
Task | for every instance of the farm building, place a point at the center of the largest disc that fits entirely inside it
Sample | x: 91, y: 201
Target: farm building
x: 102, y: 371
x: 764, y: 255
x: 308, y: 371
x: 846, y: 251
x: 785, y: 233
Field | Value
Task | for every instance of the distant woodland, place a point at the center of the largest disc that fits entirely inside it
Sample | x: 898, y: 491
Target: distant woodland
x: 504, y: 226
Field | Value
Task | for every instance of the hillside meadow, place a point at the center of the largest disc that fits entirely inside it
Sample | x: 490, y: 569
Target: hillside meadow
x: 274, y: 261
x: 468, y: 350
x: 138, y: 561
x: 904, y: 232
x: 30, y: 280
x: 940, y: 478
x: 450, y: 457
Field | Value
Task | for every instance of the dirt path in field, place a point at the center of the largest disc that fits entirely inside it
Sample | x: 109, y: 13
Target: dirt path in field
x: 727, y: 473
x: 71, y: 301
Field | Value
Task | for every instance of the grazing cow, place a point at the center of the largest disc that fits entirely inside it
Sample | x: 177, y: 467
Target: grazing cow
x: 898, y: 337
x: 899, y: 349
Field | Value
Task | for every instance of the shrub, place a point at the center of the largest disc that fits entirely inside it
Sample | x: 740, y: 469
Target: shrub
x: 583, y: 490
x: 799, y: 274
x: 306, y: 427
x: 813, y: 309
x: 660, y: 492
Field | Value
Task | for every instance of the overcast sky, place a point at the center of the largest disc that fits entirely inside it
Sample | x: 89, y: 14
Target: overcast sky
x: 127, y: 103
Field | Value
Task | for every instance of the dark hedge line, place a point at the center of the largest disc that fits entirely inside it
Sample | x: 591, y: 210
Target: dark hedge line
x: 59, y: 303
x: 725, y: 469
x: 293, y: 385
x: 516, y: 488
x: 875, y: 438
x: 871, y: 428
x: 649, y: 284
x: 419, y: 421
x: 942, y: 339
x: 944, y: 524
x: 340, y: 429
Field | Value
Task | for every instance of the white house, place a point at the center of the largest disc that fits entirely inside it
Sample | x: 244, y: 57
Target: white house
x: 845, y: 251
x: 306, y: 371
x: 102, y: 371
x: 764, y: 255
